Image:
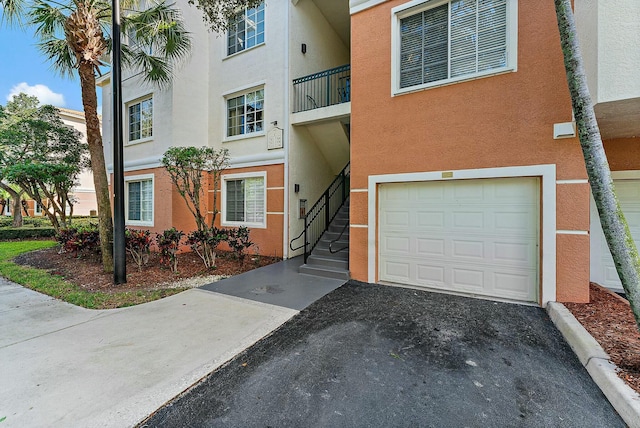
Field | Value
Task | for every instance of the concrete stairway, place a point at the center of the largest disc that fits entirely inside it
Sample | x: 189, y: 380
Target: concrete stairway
x: 322, y: 262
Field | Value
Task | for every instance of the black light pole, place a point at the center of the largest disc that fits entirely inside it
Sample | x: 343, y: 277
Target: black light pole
x: 119, y: 250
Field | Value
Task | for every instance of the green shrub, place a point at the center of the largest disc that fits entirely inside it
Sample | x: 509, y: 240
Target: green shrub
x: 238, y: 240
x: 204, y: 243
x: 137, y: 243
x: 10, y: 233
x: 169, y: 244
x: 78, y: 238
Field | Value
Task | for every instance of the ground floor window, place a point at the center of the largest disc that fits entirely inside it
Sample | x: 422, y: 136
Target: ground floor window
x: 139, y: 200
x: 244, y: 200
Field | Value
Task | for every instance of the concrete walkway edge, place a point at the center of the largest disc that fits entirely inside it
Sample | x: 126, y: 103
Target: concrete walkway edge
x: 624, y: 399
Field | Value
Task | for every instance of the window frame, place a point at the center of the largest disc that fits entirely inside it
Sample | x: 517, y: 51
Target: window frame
x: 138, y: 179
x: 223, y: 208
x: 243, y: 10
x: 418, y: 6
x: 127, y: 121
x: 243, y: 93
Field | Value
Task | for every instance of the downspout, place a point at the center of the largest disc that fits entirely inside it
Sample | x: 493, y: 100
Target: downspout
x: 285, y: 230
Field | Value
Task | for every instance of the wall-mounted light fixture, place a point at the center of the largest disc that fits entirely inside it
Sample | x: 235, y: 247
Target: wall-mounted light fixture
x: 296, y: 188
x: 304, y: 48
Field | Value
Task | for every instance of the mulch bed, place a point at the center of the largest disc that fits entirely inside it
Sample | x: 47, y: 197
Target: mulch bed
x: 86, y: 271
x: 608, y: 318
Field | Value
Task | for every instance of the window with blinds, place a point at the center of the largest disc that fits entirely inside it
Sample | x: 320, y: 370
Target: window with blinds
x: 140, y: 201
x: 245, y: 201
x: 452, y: 41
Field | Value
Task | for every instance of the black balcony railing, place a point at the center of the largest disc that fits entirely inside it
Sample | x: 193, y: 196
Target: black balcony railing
x: 322, y: 89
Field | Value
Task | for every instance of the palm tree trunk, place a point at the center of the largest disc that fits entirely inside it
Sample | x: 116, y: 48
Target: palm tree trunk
x: 614, y: 225
x: 96, y: 151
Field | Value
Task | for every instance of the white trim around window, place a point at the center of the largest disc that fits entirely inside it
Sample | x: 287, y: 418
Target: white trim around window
x: 467, y: 47
x: 244, y: 113
x: 253, y: 186
x: 145, y: 200
x: 139, y: 120
x: 247, y: 30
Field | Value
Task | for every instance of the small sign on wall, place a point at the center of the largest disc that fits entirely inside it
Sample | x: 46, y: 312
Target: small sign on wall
x: 274, y: 139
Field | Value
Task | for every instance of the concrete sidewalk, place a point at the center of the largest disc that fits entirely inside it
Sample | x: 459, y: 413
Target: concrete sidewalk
x: 61, y: 365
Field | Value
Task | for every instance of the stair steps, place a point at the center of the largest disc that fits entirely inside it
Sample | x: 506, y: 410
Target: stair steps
x: 322, y: 262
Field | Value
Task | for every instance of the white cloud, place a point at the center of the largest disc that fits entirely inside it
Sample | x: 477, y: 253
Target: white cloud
x: 44, y: 94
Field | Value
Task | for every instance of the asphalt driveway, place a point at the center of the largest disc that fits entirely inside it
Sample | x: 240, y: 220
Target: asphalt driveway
x: 369, y: 356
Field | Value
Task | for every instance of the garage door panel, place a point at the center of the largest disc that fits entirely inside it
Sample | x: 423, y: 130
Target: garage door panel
x: 430, y: 219
x: 472, y: 192
x: 603, y: 270
x: 463, y: 221
x: 430, y: 193
x: 471, y: 249
x: 515, y: 285
x: 471, y: 280
x: 397, y: 243
x: 397, y: 270
x: 430, y: 247
x: 474, y: 239
x: 432, y: 275
x: 396, y: 219
x: 523, y: 222
x: 513, y: 192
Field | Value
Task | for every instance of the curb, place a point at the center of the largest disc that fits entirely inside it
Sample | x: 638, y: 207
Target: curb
x: 625, y: 400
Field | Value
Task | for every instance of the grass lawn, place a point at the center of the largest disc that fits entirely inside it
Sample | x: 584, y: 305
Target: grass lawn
x: 56, y: 286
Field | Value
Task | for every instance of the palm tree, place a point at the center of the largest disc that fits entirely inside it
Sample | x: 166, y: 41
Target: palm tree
x: 616, y: 231
x: 75, y: 37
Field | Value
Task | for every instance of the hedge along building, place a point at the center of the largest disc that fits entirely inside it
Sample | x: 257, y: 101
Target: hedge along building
x: 482, y: 188
x: 237, y: 92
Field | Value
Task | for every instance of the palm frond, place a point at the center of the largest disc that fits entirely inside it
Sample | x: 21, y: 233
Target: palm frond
x: 49, y: 20
x: 154, y: 69
x: 59, y: 54
x: 156, y: 41
x: 12, y: 11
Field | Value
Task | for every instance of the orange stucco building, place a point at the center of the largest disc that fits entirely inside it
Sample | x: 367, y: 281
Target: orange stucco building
x: 461, y: 181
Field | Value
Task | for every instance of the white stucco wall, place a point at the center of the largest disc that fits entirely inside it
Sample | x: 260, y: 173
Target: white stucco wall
x: 261, y: 66
x: 180, y: 111
x: 609, y: 34
x: 87, y: 201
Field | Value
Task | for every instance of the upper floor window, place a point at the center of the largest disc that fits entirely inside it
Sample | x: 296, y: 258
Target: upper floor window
x: 140, y: 120
x: 245, y: 113
x: 246, y: 29
x: 453, y: 40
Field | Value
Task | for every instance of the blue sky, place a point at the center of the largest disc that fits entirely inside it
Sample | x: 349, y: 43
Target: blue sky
x: 24, y: 69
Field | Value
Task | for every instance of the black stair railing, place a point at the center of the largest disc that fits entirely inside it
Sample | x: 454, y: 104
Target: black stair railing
x: 320, y: 216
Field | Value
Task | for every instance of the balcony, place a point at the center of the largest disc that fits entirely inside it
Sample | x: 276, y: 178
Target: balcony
x: 323, y: 89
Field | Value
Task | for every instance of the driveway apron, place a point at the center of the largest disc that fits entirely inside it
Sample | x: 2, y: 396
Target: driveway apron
x: 372, y: 356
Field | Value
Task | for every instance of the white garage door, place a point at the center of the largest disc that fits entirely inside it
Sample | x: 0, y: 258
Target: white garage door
x: 470, y: 236
x: 603, y: 270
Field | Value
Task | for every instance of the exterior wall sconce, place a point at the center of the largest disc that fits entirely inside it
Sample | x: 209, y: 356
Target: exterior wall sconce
x: 296, y: 188
x: 304, y: 48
